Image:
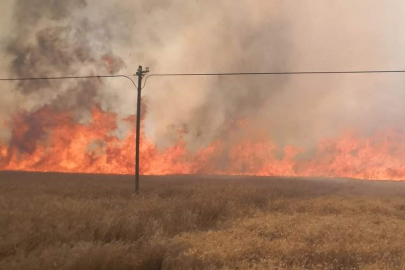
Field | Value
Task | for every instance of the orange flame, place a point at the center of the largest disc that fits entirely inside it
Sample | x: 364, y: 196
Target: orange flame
x: 52, y: 141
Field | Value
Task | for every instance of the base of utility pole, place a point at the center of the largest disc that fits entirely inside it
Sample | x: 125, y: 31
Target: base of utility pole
x: 140, y: 73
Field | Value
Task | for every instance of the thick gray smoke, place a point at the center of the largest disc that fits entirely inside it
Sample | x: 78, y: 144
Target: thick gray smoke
x: 49, y: 40
x: 59, y: 46
x: 225, y: 36
x: 65, y: 37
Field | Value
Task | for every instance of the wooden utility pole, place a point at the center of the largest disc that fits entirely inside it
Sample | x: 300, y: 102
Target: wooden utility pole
x: 140, y: 73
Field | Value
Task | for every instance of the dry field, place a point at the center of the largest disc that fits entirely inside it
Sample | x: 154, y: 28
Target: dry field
x: 85, y: 222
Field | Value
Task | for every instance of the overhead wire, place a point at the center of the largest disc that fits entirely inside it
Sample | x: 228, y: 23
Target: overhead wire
x: 270, y: 73
x: 203, y: 74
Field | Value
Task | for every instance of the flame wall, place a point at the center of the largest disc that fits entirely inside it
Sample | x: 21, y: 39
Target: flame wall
x: 346, y: 125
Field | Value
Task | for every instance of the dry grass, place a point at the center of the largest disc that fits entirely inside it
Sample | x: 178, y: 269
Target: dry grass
x: 54, y: 221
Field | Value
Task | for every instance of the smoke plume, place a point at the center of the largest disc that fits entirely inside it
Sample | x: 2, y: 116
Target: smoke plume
x: 212, y: 36
x: 50, y: 41
x: 82, y: 37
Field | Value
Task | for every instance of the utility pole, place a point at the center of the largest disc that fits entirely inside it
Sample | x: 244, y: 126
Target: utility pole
x: 140, y: 73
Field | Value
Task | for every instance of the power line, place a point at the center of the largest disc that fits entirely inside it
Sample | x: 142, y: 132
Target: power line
x: 61, y: 77
x: 271, y: 73
x: 140, y: 74
x: 69, y: 78
x: 278, y: 73
x: 203, y: 74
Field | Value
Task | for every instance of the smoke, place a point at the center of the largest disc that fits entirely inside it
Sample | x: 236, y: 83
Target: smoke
x: 88, y: 37
x: 52, y: 38
x: 223, y: 36
x: 212, y: 38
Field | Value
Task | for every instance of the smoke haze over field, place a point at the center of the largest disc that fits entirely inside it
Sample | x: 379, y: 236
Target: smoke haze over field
x: 40, y: 38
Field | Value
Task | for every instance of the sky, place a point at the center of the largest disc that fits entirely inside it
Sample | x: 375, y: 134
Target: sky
x: 176, y: 36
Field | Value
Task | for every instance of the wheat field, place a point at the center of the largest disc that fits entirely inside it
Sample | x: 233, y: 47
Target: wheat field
x: 88, y: 222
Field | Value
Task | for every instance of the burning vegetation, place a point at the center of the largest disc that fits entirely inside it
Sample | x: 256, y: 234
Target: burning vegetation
x: 78, y: 126
x: 49, y: 140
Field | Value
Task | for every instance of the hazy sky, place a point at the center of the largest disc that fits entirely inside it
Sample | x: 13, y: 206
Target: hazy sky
x: 228, y: 36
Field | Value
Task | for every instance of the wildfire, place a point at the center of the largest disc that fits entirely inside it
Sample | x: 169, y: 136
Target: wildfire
x: 52, y: 141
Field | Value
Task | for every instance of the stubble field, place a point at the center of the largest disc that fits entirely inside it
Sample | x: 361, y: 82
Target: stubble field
x: 85, y: 222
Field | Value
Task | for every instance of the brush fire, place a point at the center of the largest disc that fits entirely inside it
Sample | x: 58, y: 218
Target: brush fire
x: 52, y: 141
x: 319, y: 126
